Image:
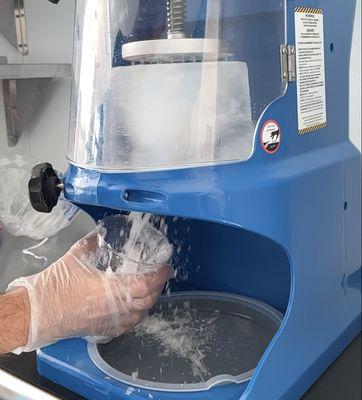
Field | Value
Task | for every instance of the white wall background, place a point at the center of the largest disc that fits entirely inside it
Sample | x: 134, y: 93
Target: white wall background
x: 50, y: 35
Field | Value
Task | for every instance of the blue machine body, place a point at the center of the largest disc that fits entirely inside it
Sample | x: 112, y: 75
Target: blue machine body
x: 284, y: 228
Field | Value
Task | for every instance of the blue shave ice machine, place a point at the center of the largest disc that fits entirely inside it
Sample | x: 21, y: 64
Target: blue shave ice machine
x: 233, y: 116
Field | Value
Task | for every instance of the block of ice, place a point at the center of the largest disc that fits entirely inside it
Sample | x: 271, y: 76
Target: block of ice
x: 164, y: 115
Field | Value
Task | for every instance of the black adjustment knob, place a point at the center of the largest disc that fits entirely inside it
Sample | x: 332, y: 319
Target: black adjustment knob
x: 54, y: 1
x: 44, y: 188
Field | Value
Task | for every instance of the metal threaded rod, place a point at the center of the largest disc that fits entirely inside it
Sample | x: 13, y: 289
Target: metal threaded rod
x: 176, y: 13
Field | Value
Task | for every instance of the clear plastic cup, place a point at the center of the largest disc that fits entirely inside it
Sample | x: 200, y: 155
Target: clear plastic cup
x: 131, y: 244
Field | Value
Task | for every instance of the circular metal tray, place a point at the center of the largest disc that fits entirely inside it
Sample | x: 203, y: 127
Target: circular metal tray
x: 176, y: 50
x: 216, y: 338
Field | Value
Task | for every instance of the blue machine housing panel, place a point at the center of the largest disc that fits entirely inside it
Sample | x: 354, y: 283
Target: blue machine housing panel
x: 302, y: 203
x: 78, y: 373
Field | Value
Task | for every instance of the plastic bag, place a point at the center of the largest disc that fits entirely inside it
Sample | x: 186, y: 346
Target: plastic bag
x: 16, y: 212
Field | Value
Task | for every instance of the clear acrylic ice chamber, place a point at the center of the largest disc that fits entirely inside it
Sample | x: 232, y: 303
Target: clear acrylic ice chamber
x: 168, y: 84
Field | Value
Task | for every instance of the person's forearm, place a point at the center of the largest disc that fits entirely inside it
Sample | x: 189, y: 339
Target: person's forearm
x: 14, y: 320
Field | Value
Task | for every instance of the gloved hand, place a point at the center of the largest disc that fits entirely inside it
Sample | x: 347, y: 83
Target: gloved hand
x: 72, y: 299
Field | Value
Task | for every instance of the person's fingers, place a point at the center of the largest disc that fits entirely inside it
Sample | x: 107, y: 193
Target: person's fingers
x: 130, y: 319
x: 125, y: 324
x: 145, y: 303
x: 136, y: 319
x: 141, y: 285
x: 87, y: 244
x: 83, y: 249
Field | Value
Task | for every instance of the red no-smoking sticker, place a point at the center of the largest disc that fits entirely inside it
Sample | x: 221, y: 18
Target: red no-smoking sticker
x: 270, y: 136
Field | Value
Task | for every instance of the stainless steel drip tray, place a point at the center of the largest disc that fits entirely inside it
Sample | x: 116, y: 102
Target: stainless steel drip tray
x: 191, y: 341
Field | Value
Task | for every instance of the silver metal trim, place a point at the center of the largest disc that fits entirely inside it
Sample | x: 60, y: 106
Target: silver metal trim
x: 288, y: 63
x: 12, y: 388
x: 176, y: 14
x: 21, y: 99
x: 24, y: 86
x: 26, y: 71
x: 20, y: 27
x: 13, y: 24
x: 171, y: 50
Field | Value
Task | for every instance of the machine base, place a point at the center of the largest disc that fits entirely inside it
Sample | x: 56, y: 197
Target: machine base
x: 69, y: 365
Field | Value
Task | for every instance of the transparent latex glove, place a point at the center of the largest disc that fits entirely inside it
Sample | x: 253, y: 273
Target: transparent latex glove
x: 72, y: 299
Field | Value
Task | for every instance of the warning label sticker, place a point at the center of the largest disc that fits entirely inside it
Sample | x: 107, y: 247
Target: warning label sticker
x: 270, y: 136
x: 311, y: 86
